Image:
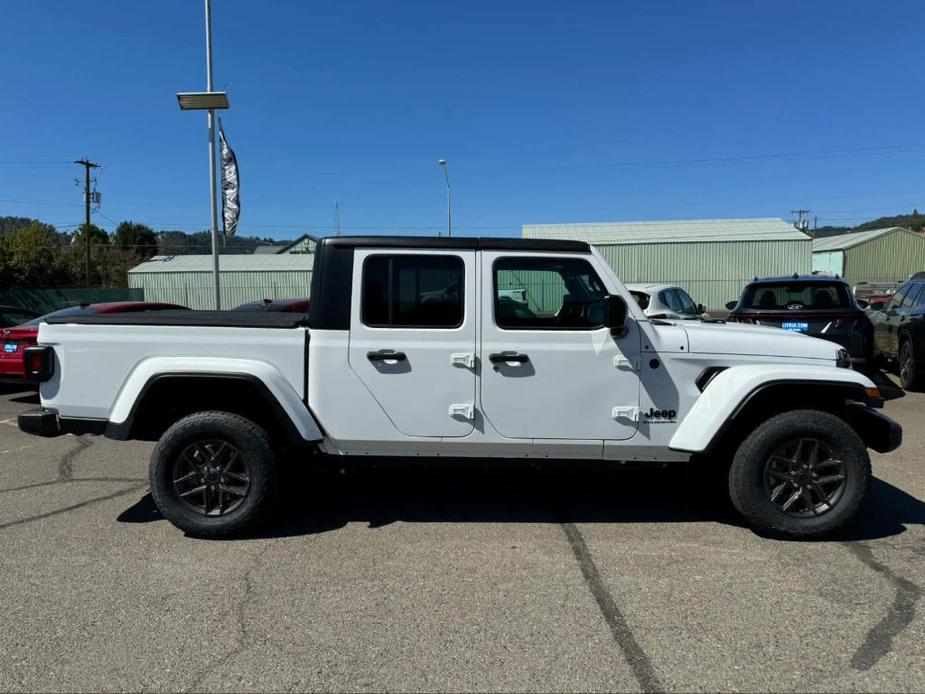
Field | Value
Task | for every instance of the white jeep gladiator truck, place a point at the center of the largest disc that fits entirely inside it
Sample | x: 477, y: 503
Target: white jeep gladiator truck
x: 465, y: 347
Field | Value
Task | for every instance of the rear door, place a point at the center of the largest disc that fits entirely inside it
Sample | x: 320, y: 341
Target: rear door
x: 412, y: 337
x: 550, y: 370
x: 885, y: 335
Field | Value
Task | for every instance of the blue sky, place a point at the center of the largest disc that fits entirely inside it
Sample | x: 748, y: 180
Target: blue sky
x: 546, y: 111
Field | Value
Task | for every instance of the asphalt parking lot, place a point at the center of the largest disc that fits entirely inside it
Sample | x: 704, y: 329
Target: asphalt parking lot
x: 435, y: 579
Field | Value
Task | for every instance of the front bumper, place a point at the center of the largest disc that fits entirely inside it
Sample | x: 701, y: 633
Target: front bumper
x: 45, y: 421
x: 878, y: 431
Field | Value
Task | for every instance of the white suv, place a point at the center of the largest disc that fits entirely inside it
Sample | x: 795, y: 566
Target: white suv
x: 666, y: 301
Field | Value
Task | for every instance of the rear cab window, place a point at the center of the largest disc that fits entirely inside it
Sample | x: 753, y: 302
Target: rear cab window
x: 413, y: 291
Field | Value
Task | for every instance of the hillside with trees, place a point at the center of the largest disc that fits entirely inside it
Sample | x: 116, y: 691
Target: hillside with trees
x: 36, y: 254
x: 914, y: 221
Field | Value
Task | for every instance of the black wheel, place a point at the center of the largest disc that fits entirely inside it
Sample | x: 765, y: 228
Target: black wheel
x: 213, y: 474
x: 908, y: 374
x: 800, y: 474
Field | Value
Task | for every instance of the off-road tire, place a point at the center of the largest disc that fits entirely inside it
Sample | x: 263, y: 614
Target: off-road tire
x: 747, y: 488
x: 256, y: 453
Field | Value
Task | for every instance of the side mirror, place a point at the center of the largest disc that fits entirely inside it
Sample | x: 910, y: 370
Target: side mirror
x: 877, y: 305
x: 862, y: 303
x: 731, y: 305
x: 615, y: 315
x: 701, y: 308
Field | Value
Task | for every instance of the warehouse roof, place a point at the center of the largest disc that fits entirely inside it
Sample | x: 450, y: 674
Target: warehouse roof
x: 671, y: 231
x: 855, y: 238
x: 227, y: 263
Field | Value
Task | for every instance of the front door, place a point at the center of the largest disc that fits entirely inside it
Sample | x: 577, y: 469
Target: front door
x: 412, y: 337
x: 550, y: 370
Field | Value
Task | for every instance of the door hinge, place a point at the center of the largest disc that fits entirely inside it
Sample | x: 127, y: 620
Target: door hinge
x: 624, y: 363
x: 462, y: 411
x: 466, y: 359
x: 625, y: 412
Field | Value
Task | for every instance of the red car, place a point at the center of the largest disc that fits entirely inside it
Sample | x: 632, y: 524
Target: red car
x: 13, y: 341
x: 281, y: 305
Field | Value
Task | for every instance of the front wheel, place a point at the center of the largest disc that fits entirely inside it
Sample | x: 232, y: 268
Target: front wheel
x: 800, y: 475
x: 213, y: 475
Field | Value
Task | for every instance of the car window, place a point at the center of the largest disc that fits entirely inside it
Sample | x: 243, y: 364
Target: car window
x: 897, y: 298
x: 641, y: 298
x: 912, y: 296
x: 671, y: 299
x: 558, y: 293
x: 688, y: 307
x: 796, y: 295
x: 413, y: 291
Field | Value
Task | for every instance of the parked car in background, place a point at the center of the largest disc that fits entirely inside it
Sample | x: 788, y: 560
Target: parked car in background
x: 899, y: 331
x: 666, y: 301
x: 868, y: 293
x: 13, y: 315
x: 14, y: 340
x: 279, y: 305
x: 818, y: 305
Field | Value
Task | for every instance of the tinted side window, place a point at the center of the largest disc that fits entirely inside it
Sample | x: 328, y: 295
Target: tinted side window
x: 898, y: 297
x: 912, y: 296
x: 558, y: 294
x: 413, y: 291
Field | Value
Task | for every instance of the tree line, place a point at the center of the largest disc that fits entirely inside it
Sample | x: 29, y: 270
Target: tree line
x: 36, y: 254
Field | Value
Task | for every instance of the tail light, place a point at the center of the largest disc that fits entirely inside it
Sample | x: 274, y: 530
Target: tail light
x: 39, y: 363
x: 853, y: 322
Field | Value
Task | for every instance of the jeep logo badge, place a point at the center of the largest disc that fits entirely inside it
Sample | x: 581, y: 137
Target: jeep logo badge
x: 660, y: 414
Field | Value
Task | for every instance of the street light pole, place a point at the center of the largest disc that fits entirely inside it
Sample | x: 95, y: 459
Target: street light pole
x: 215, y: 274
x: 449, y: 212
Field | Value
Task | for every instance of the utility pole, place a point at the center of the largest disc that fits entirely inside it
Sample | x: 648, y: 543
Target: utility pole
x: 87, y: 164
x: 337, y: 217
x: 801, y: 223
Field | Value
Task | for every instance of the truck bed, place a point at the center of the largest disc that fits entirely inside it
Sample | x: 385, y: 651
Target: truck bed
x: 202, y: 319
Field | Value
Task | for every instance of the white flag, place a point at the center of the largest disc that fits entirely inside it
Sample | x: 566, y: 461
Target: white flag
x: 231, y: 201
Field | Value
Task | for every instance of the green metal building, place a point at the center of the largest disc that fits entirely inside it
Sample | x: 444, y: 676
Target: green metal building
x: 187, y: 279
x: 878, y: 256
x: 711, y: 258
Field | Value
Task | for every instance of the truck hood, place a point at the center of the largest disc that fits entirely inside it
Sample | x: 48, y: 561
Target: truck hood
x: 756, y: 340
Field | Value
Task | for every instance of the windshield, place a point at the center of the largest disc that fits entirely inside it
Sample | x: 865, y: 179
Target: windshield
x: 790, y: 296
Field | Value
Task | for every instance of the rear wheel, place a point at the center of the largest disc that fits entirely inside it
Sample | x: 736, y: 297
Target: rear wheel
x: 800, y: 474
x: 213, y: 474
x: 909, y: 375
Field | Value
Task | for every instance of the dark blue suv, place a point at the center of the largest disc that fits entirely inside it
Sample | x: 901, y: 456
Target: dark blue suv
x: 818, y: 305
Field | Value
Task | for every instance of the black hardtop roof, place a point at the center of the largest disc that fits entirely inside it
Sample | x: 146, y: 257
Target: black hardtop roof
x: 458, y: 242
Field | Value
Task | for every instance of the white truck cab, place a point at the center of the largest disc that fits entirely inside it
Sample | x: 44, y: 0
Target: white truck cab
x: 469, y: 348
